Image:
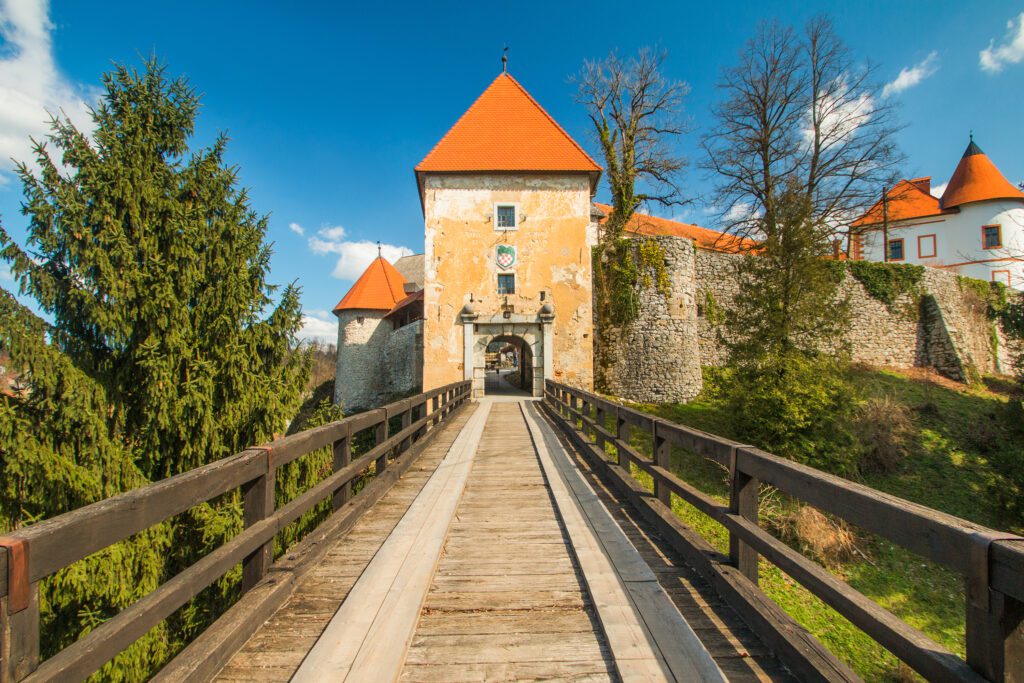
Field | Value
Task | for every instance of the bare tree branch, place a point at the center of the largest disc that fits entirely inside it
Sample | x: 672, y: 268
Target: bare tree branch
x: 638, y: 117
x: 800, y: 109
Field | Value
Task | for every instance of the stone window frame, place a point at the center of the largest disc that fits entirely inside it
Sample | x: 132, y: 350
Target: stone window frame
x: 512, y: 277
x: 515, y: 216
x: 999, y: 236
x: 935, y: 246
x: 903, y: 250
x: 1005, y: 280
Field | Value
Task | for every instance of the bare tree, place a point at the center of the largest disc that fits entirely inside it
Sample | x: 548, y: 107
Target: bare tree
x: 638, y: 116
x: 800, y: 111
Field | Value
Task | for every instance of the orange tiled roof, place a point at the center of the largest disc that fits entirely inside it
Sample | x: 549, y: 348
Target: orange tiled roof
x: 908, y: 199
x: 379, y: 288
x: 642, y: 224
x: 408, y: 300
x: 976, y: 179
x: 506, y: 130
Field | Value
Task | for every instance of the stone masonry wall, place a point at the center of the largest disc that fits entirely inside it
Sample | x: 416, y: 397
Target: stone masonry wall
x: 658, y: 357
x: 376, y: 363
x: 403, y: 361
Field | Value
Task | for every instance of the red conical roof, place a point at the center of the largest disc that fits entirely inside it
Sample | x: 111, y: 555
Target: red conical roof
x: 976, y: 179
x: 506, y: 130
x: 379, y: 288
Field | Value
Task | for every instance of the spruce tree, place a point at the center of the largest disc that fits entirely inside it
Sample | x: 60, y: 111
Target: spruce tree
x: 167, y: 347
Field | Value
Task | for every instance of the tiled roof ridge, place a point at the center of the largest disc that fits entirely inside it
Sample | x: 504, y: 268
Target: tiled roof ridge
x: 551, y: 119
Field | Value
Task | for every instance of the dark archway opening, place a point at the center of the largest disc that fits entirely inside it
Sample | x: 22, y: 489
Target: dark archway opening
x: 508, y: 367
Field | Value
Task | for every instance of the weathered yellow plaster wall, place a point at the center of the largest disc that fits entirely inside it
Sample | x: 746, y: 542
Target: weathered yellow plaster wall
x: 553, y: 255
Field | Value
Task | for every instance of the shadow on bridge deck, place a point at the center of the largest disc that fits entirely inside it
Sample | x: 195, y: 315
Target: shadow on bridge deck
x: 499, y: 557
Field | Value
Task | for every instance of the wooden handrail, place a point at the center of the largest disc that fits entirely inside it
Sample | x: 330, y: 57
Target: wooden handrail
x: 992, y: 563
x: 61, y: 541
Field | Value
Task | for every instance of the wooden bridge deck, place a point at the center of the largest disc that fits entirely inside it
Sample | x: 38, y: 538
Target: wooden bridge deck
x: 499, y: 557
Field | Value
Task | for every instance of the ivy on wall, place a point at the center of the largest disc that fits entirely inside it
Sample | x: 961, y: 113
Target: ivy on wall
x: 887, y: 282
x: 621, y: 269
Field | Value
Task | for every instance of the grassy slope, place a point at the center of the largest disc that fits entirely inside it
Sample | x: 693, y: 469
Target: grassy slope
x: 947, y: 470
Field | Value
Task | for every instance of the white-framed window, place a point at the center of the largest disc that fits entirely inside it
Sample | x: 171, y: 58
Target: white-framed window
x: 506, y: 283
x: 506, y: 216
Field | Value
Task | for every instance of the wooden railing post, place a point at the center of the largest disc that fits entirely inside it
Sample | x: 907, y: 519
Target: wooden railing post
x: 342, y: 457
x: 19, y: 613
x: 598, y: 435
x: 622, y: 435
x: 574, y: 404
x: 380, y: 435
x: 661, y: 451
x: 406, y: 421
x: 743, y: 502
x: 258, y: 504
x: 995, y: 621
x: 585, y: 411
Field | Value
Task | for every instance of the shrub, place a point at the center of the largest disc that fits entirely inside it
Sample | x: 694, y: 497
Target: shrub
x: 885, y: 429
x: 796, y: 406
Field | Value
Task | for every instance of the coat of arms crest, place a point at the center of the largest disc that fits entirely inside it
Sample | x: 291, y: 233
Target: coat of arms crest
x: 505, y: 256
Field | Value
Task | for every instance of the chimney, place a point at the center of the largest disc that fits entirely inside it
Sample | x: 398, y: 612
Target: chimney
x: 924, y: 184
x: 410, y: 288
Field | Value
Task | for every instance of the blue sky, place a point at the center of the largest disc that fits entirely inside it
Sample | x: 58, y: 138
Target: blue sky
x: 330, y: 105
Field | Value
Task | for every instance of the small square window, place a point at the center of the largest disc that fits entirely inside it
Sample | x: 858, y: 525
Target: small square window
x: 506, y: 283
x: 896, y: 250
x: 505, y: 216
x: 991, y: 237
x: 1002, y: 276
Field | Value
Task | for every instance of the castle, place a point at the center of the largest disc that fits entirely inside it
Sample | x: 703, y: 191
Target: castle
x: 976, y: 228
x: 509, y: 226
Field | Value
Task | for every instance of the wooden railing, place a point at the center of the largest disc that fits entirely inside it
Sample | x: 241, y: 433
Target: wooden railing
x: 991, y: 562
x: 39, y: 550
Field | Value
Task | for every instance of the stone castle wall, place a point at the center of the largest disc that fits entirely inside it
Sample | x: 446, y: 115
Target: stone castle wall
x: 658, y: 357
x: 375, y: 361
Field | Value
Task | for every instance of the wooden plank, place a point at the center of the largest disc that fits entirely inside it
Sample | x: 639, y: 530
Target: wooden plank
x: 208, y: 653
x: 370, y: 631
x: 645, y: 632
x: 63, y: 540
x: 801, y: 652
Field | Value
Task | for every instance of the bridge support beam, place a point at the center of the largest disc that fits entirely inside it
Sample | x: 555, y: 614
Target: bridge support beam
x: 743, y: 501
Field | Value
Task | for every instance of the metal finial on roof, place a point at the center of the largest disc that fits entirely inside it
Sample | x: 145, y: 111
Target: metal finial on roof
x: 972, y: 134
x: 504, y: 60
x: 378, y: 249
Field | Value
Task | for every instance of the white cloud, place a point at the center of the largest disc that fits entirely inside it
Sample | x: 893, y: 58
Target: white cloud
x: 5, y: 273
x: 842, y: 112
x: 31, y: 85
x: 937, y: 190
x: 297, y: 229
x: 740, y: 211
x: 910, y: 76
x: 353, y: 257
x: 1011, y: 51
x: 319, y: 326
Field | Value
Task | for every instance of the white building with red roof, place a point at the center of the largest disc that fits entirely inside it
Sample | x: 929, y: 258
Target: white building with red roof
x: 976, y: 228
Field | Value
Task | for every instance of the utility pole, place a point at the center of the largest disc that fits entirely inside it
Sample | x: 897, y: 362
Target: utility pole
x: 885, y: 224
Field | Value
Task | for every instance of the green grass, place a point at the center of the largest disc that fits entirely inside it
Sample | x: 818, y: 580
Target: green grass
x: 948, y: 468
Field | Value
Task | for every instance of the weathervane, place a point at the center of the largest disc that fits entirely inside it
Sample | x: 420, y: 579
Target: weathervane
x: 504, y: 60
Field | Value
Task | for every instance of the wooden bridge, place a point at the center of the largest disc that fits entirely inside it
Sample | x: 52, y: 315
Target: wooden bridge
x: 509, y: 539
